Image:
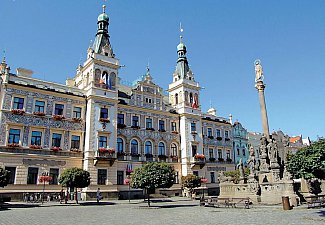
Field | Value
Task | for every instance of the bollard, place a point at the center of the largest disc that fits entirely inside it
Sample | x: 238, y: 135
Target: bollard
x: 286, y: 203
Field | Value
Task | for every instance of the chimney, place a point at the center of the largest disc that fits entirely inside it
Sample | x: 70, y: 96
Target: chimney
x: 22, y: 72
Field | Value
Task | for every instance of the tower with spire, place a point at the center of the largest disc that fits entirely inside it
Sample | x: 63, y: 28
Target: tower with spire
x: 184, y: 95
x: 97, y: 76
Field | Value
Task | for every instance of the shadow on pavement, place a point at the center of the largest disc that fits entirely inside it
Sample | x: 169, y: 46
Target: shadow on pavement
x: 8, y: 206
x: 96, y: 204
x: 321, y: 213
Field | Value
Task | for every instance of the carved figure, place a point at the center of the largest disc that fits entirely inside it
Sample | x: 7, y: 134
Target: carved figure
x: 263, y: 146
x: 251, y: 161
x: 273, y: 151
x: 225, y: 179
x: 240, y: 166
x: 258, y: 71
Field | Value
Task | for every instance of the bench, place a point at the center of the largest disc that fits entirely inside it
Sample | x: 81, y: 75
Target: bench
x: 314, y: 201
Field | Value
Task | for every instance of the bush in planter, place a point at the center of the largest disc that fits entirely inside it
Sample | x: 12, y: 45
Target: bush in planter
x: 148, y: 155
x: 56, y: 148
x: 162, y: 156
x: 199, y: 156
x: 219, y: 138
x: 39, y: 113
x: 58, y: 117
x: 211, y: 137
x: 120, y: 125
x: 229, y: 160
x: 35, y: 146
x: 4, y: 177
x: 13, y: 145
x: 18, y: 111
x: 104, y: 120
x: 221, y: 159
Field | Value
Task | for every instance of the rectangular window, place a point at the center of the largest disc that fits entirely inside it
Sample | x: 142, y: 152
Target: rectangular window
x: 18, y: 103
x: 228, y: 154
x: 39, y: 106
x: 194, y: 150
x: 104, y: 113
x: 148, y: 123
x: 219, y: 153
x: 101, y: 177
x: 226, y: 134
x: 211, y: 153
x: 54, y: 173
x: 244, y: 152
x: 36, y: 138
x: 196, y: 173
x: 76, y: 112
x: 209, y: 132
x: 56, y: 140
x: 218, y: 133
x: 176, y: 178
x: 58, y: 110
x: 120, y: 177
x: 102, y: 142
x: 161, y: 125
x: 135, y: 121
x: 75, y: 142
x: 212, y: 177
x: 193, y: 127
x: 14, y: 136
x: 120, y: 118
x: 32, y: 175
x: 12, y: 171
x: 174, y: 126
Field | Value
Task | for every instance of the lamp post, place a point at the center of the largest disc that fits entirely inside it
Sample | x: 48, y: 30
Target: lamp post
x: 127, y: 181
x: 42, y: 179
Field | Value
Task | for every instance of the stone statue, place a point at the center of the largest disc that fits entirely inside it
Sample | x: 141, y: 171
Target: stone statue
x: 251, y: 161
x: 258, y: 71
x: 225, y: 179
x: 263, y: 146
x: 240, y: 166
x: 273, y: 150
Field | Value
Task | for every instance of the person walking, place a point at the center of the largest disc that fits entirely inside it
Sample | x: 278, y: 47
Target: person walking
x: 98, y: 195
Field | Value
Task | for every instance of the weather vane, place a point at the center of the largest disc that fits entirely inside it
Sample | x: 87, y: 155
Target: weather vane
x: 181, y: 30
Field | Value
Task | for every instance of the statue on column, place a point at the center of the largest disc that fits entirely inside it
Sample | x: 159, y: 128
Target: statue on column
x: 258, y: 71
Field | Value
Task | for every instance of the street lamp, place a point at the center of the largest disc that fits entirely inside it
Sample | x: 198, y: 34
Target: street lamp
x: 42, y: 179
x: 127, y: 181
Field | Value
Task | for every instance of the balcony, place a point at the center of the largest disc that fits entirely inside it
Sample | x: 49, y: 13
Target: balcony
x: 198, y: 160
x: 106, y: 156
x: 162, y: 158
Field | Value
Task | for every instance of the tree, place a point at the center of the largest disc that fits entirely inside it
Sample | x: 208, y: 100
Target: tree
x: 309, y: 163
x: 235, y: 174
x: 153, y: 175
x: 4, y: 177
x: 191, y: 181
x: 75, y: 178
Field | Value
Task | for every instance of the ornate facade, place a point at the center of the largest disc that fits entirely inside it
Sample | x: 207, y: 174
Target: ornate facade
x: 107, y: 128
x: 240, y: 143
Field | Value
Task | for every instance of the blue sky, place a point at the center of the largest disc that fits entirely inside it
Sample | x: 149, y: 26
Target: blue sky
x: 223, y: 40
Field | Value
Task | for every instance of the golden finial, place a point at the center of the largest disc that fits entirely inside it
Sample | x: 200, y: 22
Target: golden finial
x: 104, y: 7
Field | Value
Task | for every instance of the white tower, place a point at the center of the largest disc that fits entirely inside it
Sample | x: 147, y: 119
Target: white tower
x: 98, y: 76
x: 184, y: 95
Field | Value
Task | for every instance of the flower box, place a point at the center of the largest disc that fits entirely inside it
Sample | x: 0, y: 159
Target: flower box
x: 13, y: 145
x: 174, y: 132
x: 193, y: 132
x: 77, y: 120
x: 18, y: 111
x: 56, y: 148
x: 148, y: 155
x: 38, y: 113
x: 104, y: 120
x: 75, y: 150
x: 229, y: 160
x: 35, y: 146
x: 111, y: 151
x: 121, y: 126
x: 174, y: 157
x: 135, y: 154
x: 150, y: 128
x: 135, y: 127
x: 204, y: 180
x: 58, y: 117
x: 120, y: 153
x: 162, y: 130
x: 219, y: 138
x: 199, y: 156
x: 227, y: 139
x: 212, y: 159
x: 103, y: 150
x: 211, y: 137
x: 221, y: 159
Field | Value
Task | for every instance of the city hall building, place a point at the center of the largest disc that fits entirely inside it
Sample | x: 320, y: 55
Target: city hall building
x: 109, y: 129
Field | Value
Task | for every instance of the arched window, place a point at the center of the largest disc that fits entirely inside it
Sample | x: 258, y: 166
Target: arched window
x: 112, y: 81
x: 244, y: 152
x: 148, y: 147
x: 134, y: 147
x: 173, y: 149
x: 191, y: 98
x: 161, y: 148
x: 176, y: 98
x: 196, y: 99
x: 97, y: 77
x: 186, y: 97
x: 120, y: 147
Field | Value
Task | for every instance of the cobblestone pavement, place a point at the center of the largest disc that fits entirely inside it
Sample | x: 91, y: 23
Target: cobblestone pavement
x: 177, y: 211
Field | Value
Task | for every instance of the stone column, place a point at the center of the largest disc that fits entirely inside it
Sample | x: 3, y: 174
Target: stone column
x: 265, y: 124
